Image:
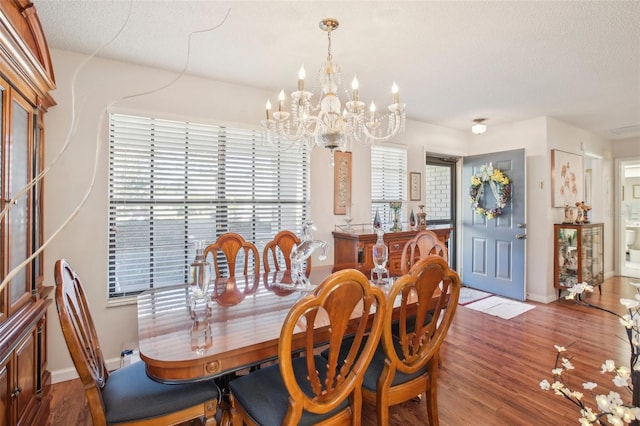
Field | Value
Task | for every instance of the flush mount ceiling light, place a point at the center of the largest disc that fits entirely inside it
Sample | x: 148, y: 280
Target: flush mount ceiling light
x: 330, y: 123
x: 479, y: 127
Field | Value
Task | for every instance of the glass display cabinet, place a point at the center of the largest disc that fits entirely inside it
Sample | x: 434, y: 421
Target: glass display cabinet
x: 578, y: 255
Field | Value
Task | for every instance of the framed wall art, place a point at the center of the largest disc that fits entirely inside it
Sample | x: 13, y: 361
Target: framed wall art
x: 636, y: 191
x: 415, y: 186
x: 341, y: 182
x: 566, y: 178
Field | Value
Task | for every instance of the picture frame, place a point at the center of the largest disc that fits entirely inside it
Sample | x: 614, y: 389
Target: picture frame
x: 566, y: 178
x: 415, y: 186
x: 636, y: 191
x: 341, y: 182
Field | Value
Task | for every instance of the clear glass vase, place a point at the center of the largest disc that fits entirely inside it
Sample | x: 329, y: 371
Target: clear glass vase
x: 380, y: 253
x: 200, y: 275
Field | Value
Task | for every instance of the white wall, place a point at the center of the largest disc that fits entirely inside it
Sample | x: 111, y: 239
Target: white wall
x: 103, y: 83
x: 626, y: 148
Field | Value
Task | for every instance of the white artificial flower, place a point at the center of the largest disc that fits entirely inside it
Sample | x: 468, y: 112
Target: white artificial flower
x: 618, y: 411
x: 577, y: 395
x: 588, y: 414
x: 559, y: 348
x: 623, y: 372
x: 629, y: 303
x: 614, y: 398
x: 566, y: 363
x: 589, y: 385
x: 636, y: 285
x: 584, y: 422
x: 557, y: 371
x: 628, y: 415
x: 614, y: 420
x: 608, y: 366
x: 545, y: 385
x: 626, y: 321
x: 620, y: 381
x: 603, y: 403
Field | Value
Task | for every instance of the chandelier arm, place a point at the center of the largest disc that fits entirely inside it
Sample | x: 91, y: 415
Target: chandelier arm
x: 394, y: 132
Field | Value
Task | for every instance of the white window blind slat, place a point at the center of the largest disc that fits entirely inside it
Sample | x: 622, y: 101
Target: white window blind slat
x: 388, y: 182
x: 172, y: 182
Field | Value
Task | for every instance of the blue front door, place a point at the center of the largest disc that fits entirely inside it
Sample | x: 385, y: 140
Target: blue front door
x: 493, y: 250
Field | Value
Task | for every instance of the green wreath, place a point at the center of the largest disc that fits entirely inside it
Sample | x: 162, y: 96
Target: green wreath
x: 500, y: 186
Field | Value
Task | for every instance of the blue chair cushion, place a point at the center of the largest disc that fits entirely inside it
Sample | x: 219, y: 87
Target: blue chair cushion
x: 376, y: 366
x: 411, y: 324
x: 264, y: 396
x: 130, y: 394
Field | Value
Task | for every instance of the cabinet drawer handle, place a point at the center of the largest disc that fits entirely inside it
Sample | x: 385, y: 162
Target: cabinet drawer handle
x: 16, y: 392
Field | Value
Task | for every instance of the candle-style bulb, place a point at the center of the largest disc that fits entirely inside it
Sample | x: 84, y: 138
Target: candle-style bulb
x: 268, y: 106
x: 281, y: 100
x: 354, y: 89
x: 372, y: 107
x: 395, y: 91
x: 301, y: 76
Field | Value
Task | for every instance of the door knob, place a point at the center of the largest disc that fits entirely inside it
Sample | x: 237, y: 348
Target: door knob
x: 521, y: 236
x: 521, y: 225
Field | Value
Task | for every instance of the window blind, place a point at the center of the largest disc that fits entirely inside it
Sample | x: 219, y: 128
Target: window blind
x: 388, y: 182
x: 173, y: 182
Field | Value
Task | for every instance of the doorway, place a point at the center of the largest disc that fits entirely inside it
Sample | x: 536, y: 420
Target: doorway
x: 440, y: 190
x: 628, y: 196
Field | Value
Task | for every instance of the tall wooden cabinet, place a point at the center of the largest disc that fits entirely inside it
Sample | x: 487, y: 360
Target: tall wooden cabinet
x: 26, y: 78
x: 578, y: 255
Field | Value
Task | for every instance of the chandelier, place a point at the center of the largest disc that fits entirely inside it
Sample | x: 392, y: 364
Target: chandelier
x: 327, y: 124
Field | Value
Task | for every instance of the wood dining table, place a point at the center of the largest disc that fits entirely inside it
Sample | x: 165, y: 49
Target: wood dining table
x: 239, y: 327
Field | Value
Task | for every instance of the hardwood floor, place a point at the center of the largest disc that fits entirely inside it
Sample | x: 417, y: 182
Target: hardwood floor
x: 491, y: 367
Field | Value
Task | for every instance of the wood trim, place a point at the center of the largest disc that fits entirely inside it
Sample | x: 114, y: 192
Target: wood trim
x: 21, y: 34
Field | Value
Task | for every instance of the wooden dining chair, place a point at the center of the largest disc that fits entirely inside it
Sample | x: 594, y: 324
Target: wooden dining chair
x: 277, y: 252
x: 305, y: 388
x: 230, y: 245
x: 421, y: 245
x: 127, y: 395
x: 405, y: 365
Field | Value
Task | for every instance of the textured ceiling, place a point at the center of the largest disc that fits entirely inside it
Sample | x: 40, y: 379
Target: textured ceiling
x: 578, y: 61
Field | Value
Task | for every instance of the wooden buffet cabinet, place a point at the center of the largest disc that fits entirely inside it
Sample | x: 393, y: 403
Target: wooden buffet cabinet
x: 354, y: 249
x: 26, y: 78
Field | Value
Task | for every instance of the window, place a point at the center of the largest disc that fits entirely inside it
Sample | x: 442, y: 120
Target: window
x: 388, y: 182
x: 172, y: 182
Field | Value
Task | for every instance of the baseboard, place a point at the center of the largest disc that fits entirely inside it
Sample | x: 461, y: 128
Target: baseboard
x: 71, y: 373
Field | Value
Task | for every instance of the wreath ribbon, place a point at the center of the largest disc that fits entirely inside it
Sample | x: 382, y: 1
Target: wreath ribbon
x: 500, y: 187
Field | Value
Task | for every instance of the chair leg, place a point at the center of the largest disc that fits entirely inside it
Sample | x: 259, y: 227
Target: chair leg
x: 432, y: 396
x: 210, y: 411
x: 382, y: 397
